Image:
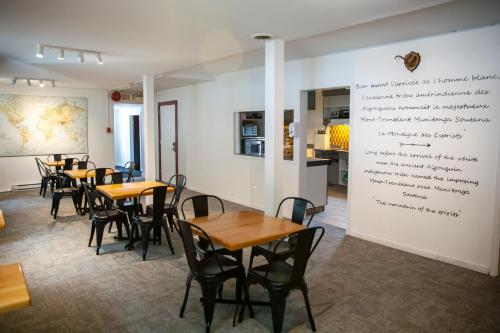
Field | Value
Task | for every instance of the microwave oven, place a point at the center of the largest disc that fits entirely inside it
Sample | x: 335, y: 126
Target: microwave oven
x: 249, y: 130
x: 254, y: 147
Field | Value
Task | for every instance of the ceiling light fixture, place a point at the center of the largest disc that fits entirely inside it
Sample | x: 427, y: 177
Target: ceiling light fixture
x: 262, y: 36
x: 39, y: 51
x: 61, y: 54
x: 30, y: 80
x: 62, y: 49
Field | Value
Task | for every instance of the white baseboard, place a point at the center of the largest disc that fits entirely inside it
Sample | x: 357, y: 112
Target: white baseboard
x: 423, y: 253
x: 235, y: 200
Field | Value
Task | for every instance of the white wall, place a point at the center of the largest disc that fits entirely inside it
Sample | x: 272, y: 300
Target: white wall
x: 23, y: 170
x: 122, y: 113
x: 206, y: 138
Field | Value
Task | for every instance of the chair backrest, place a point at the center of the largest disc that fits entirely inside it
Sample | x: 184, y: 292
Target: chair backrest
x: 200, y: 204
x: 100, y: 175
x: 159, y: 195
x: 68, y: 163
x: 179, y: 181
x: 91, y: 195
x: 82, y: 165
x: 304, y: 248
x: 130, y: 167
x: 85, y: 158
x: 186, y: 232
x: 39, y: 165
x: 299, y: 210
x: 117, y: 178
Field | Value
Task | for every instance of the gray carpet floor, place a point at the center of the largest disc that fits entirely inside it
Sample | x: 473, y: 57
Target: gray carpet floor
x: 354, y: 285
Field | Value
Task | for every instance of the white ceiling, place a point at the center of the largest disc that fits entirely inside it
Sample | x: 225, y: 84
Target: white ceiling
x: 174, y: 37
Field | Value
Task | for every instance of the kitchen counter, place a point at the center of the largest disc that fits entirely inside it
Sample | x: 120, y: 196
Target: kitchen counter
x: 334, y: 149
x: 313, y: 161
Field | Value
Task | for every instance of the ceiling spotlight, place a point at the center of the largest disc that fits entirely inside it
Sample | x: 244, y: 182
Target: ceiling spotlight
x: 99, y: 59
x: 29, y: 82
x: 61, y: 54
x: 14, y: 81
x: 262, y: 36
x: 42, y: 84
x: 39, y: 51
x: 80, y: 55
x: 53, y: 84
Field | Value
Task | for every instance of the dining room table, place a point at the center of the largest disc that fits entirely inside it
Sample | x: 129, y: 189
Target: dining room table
x: 241, y: 229
x: 58, y: 163
x: 130, y: 190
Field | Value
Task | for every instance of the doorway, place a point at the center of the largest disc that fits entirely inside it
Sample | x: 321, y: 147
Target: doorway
x: 128, y: 137
x: 328, y: 138
x: 168, y: 152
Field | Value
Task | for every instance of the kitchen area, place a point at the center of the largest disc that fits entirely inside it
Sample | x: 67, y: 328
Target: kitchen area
x: 328, y: 138
x: 327, y: 148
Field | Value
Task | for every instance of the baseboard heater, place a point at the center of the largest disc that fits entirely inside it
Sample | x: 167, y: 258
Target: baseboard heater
x: 25, y: 187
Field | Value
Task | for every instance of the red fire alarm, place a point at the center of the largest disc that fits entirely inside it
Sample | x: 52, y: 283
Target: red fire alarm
x: 116, y: 96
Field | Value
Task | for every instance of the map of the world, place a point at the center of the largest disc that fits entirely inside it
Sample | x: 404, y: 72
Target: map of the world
x: 42, y: 125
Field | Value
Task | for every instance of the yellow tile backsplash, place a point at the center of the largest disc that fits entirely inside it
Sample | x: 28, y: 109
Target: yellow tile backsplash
x: 339, y: 136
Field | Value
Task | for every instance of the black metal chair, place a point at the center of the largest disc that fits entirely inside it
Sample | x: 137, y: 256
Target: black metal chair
x: 300, y: 206
x: 210, y: 272
x: 200, y: 208
x: 85, y: 158
x: 101, y: 215
x: 62, y: 189
x: 45, y: 178
x: 130, y: 167
x: 279, y: 278
x: 56, y: 158
x: 152, y: 219
x: 170, y: 209
x: 126, y: 206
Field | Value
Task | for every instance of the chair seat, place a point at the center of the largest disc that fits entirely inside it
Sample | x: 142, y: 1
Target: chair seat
x: 103, y: 213
x: 279, y: 272
x: 143, y: 219
x: 65, y: 190
x: 284, y: 248
x: 209, y: 266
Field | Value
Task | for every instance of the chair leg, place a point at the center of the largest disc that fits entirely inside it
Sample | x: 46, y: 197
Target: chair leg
x: 305, y: 292
x: 170, y: 218
x: 278, y: 305
x: 167, y: 234
x: 186, y: 294
x: 99, y: 233
x: 56, y: 201
x: 110, y: 226
x: 209, y: 292
x: 252, y: 255
x: 130, y: 245
x: 240, y: 282
x: 127, y: 227
x: 74, y: 196
x: 92, y: 231
x: 145, y: 230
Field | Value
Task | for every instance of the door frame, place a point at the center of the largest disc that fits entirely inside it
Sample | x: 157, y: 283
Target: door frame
x: 160, y: 104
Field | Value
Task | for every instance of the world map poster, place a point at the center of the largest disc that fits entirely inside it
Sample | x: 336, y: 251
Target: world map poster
x: 42, y: 125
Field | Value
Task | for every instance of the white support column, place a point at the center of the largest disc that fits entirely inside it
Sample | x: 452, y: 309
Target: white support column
x: 148, y: 90
x: 274, y: 95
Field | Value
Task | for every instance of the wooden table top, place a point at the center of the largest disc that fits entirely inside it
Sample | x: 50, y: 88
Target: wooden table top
x: 80, y: 173
x: 2, y: 221
x: 58, y: 163
x: 14, y: 292
x: 129, y: 190
x: 238, y: 230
